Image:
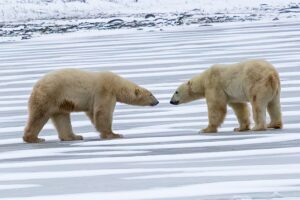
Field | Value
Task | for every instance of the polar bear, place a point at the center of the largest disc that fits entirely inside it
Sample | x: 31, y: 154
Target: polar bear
x: 61, y: 92
x: 254, y: 81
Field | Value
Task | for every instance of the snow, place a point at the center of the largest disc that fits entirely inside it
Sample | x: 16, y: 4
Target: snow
x: 195, y: 190
x: 15, y: 10
x: 162, y: 154
x: 25, y: 19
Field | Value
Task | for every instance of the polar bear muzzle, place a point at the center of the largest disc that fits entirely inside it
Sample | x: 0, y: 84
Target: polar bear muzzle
x: 174, y: 102
x: 155, y: 101
x: 175, y: 99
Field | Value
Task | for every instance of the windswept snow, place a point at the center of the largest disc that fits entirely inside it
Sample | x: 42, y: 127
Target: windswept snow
x: 24, y: 19
x: 16, y: 10
x: 162, y: 155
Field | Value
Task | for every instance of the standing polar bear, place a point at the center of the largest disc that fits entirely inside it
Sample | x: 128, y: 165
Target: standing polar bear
x: 61, y: 92
x: 254, y: 81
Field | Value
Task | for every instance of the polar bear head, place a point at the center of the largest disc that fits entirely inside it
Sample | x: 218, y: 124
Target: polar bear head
x: 188, y: 91
x: 143, y: 97
x: 135, y: 95
x: 128, y: 92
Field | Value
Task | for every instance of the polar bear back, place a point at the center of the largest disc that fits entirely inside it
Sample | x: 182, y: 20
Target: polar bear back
x: 239, y: 79
x: 74, y: 86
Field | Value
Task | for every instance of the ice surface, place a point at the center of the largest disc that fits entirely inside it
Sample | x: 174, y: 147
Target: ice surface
x: 162, y: 155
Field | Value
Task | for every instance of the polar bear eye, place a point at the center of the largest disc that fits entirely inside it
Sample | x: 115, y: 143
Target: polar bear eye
x: 176, y: 92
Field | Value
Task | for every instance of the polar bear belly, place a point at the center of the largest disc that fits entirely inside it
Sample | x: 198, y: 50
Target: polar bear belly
x: 236, y: 92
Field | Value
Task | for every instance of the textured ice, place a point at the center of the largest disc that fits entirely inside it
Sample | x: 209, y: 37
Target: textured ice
x: 162, y: 155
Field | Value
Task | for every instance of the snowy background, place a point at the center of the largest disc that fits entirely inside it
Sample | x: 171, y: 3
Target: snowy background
x: 162, y: 155
x: 22, y: 10
x: 24, y: 19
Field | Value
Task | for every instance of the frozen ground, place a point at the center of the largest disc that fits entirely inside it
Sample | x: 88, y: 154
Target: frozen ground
x: 22, y: 10
x: 162, y: 155
x: 24, y: 19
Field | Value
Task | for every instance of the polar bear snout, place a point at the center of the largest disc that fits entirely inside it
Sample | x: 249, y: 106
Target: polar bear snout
x: 175, y: 99
x: 155, y: 102
x: 174, y: 102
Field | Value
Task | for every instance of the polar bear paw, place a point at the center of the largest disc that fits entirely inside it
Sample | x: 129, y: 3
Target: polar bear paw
x: 276, y: 125
x: 209, y: 129
x: 259, y: 128
x: 71, y: 137
x: 241, y: 129
x: 111, y: 136
x: 31, y: 139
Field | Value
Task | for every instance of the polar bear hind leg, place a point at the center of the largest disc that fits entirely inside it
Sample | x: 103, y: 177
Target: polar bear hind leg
x: 259, y: 109
x: 37, y: 120
x: 274, y: 111
x: 242, y: 113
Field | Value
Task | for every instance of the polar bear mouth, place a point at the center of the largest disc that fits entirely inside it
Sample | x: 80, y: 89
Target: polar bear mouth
x: 174, y: 102
x: 155, y: 103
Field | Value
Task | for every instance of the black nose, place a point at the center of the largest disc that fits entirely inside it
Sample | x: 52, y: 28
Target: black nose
x: 155, y: 103
x: 174, y: 102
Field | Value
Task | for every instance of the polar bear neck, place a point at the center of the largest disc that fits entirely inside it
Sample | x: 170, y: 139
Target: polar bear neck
x: 124, y: 90
x: 197, y: 86
x: 116, y: 86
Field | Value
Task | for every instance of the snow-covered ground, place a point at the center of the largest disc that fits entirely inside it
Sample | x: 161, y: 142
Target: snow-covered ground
x: 22, y: 10
x: 24, y: 19
x: 157, y: 44
x: 162, y: 155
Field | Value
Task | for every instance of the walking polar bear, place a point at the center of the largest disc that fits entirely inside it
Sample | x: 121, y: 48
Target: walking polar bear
x: 61, y: 92
x: 254, y: 81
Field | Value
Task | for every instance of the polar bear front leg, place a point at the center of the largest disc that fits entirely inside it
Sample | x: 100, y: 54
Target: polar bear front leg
x: 104, y: 134
x: 103, y: 117
x: 90, y: 116
x: 217, y: 108
x: 242, y: 113
x: 103, y: 124
x: 216, y: 116
x: 62, y: 123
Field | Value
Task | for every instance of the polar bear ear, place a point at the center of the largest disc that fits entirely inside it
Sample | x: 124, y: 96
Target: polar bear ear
x: 189, y: 83
x: 137, y: 91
